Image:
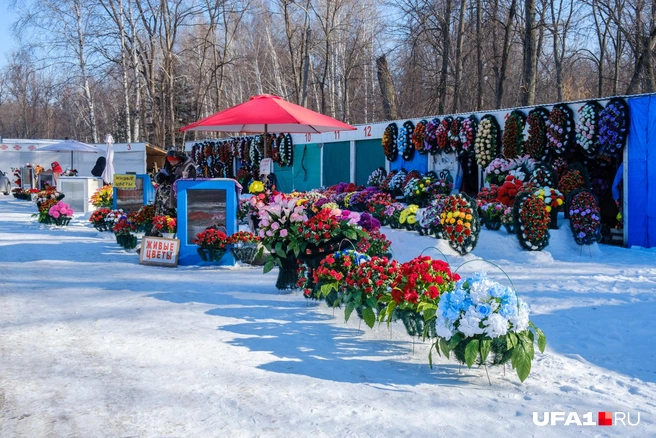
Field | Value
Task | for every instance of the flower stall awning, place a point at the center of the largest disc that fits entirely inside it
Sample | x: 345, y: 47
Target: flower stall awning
x: 268, y: 113
x: 70, y: 146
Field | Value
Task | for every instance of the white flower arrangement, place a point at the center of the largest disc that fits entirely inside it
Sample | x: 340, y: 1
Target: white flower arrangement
x: 376, y: 177
x: 586, y: 129
x: 402, y: 140
x: 397, y: 181
x: 486, y: 141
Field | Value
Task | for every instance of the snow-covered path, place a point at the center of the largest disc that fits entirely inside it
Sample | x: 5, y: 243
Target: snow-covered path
x: 93, y: 344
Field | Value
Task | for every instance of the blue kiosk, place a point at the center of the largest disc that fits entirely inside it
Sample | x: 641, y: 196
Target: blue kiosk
x: 203, y: 203
x: 132, y: 199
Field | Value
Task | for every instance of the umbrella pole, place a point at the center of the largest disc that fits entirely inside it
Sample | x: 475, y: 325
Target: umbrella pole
x: 71, y: 161
x: 265, y: 140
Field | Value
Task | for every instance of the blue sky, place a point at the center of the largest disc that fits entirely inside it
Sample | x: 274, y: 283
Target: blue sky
x: 7, y: 41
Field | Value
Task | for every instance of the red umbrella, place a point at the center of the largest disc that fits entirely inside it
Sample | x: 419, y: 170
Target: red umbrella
x: 264, y: 112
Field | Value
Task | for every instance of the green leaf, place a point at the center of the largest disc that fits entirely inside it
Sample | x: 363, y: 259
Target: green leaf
x: 260, y: 252
x: 511, y: 340
x: 327, y: 288
x: 350, y: 307
x: 281, y: 252
x: 471, y: 351
x: 429, y: 314
x: 444, y: 345
x: 430, y: 357
x: 455, y: 340
x: 389, y: 311
x: 350, y: 234
x: 369, y: 316
x: 521, y: 361
x: 542, y: 340
x: 268, y: 265
x: 297, y: 251
x: 486, y: 346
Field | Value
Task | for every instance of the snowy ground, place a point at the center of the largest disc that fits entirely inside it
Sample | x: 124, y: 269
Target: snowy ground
x: 93, y: 344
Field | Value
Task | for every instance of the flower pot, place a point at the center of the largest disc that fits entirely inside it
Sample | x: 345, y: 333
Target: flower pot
x: 510, y: 228
x: 499, y: 353
x: 168, y: 235
x: 553, y: 215
x: 211, y: 254
x: 288, y: 273
x: 127, y: 241
x: 246, y: 253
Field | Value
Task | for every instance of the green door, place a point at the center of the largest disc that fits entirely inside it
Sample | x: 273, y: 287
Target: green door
x: 336, y: 163
x: 307, y: 167
x: 368, y: 157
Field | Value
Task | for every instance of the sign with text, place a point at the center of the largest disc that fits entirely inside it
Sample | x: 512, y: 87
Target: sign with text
x: 122, y: 181
x: 266, y: 166
x: 159, y: 251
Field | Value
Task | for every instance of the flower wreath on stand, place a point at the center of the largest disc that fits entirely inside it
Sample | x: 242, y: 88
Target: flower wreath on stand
x: 544, y: 175
x: 572, y: 179
x: 430, y: 219
x: 468, y: 127
x: 286, y: 150
x: 537, y: 134
x: 377, y: 177
x: 430, y: 140
x: 513, y: 134
x: 442, y: 135
x: 532, y: 222
x: 587, y: 129
x: 454, y: 134
x: 255, y: 155
x: 460, y: 223
x: 613, y: 127
x: 389, y: 142
x: 405, y: 145
x: 560, y: 129
x: 486, y: 141
x: 419, y: 137
x: 484, y: 322
x: 584, y: 217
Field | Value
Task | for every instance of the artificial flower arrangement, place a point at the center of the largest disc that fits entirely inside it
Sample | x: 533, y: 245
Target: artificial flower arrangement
x: 572, y: 179
x: 255, y: 153
x: 442, y: 135
x: 123, y: 229
x: 460, y: 223
x: 408, y: 217
x: 560, y: 166
x: 485, y: 144
x: 559, y: 128
x: 409, y: 177
x: 103, y: 197
x: 396, y: 183
x: 537, y: 134
x: 520, y: 167
x: 365, y: 284
x: 509, y: 189
x: 416, y: 191
x: 508, y: 220
x: 493, y: 213
x: 513, y: 134
x: 415, y: 293
x: 24, y: 194
x: 613, y: 127
x: 256, y: 187
x: 375, y: 244
x: 488, y: 194
x: 97, y: 219
x: 430, y: 140
x: 496, y: 171
x: 419, y: 136
x: 544, y: 176
x: 552, y: 198
x: 285, y: 150
x: 391, y: 214
x: 143, y: 218
x: 429, y: 219
x: 245, y: 209
x: 454, y: 134
x: 587, y: 129
x: 406, y: 147
x: 377, y: 177
x: 384, y: 185
x: 59, y: 213
x: 165, y: 224
x: 389, y: 142
x: 484, y: 322
x: 323, y: 232
x: 243, y: 246
x: 468, y: 128
x: 326, y: 281
x: 532, y: 222
x: 376, y: 205
x: 584, y: 217
x: 212, y: 244
x: 440, y: 186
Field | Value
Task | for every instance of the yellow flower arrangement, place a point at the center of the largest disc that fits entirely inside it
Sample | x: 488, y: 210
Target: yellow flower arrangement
x: 256, y: 187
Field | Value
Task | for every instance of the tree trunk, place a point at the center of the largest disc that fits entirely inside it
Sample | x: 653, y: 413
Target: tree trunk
x: 386, y: 88
x: 530, y: 55
x: 446, y: 37
x: 479, y: 55
x: 461, y: 31
x: 83, y: 69
x: 506, y: 50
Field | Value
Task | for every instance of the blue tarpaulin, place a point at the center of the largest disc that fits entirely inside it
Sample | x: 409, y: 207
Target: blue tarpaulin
x: 641, y: 215
x: 418, y: 162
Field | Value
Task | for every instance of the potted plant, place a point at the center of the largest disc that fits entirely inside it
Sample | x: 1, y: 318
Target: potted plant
x: 212, y: 244
x: 165, y: 225
x: 243, y: 246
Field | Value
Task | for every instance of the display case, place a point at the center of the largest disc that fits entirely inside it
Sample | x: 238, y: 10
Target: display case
x: 45, y: 179
x: 132, y: 199
x: 78, y: 191
x: 201, y: 204
x: 27, y: 178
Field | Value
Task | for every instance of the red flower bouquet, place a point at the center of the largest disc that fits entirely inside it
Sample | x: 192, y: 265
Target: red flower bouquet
x: 509, y: 190
x: 418, y: 137
x: 571, y: 180
x: 537, y: 133
x: 97, y: 219
x: 375, y: 245
x: 513, y: 134
x: 532, y: 222
x: 212, y: 244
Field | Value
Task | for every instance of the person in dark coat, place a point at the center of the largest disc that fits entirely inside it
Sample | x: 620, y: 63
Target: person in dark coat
x: 99, y: 168
x: 178, y: 165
